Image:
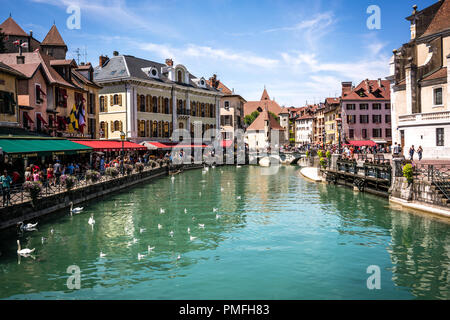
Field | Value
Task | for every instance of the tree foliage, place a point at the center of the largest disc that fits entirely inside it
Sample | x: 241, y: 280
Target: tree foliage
x: 248, y: 119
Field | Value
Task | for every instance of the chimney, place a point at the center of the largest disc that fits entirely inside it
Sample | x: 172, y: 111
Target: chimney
x: 413, y: 27
x: 115, y: 53
x: 20, y: 59
x: 169, y: 62
x: 379, y: 82
x: 102, y: 59
x: 346, y: 87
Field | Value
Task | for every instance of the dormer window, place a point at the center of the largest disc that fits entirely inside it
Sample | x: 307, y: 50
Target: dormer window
x: 180, y: 76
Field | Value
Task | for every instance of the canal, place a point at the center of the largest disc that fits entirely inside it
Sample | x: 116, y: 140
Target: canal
x: 271, y: 237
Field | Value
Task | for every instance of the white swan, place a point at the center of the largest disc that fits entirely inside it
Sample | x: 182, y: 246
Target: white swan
x: 171, y: 233
x: 140, y: 256
x: 91, y: 220
x: 189, y: 230
x: 135, y: 240
x: 150, y: 249
x: 179, y: 257
x: 222, y: 189
x: 185, y: 210
x: 159, y: 226
x: 75, y: 210
x: 142, y: 230
x: 215, y: 209
x: 192, y: 238
x: 218, y: 216
x: 238, y: 166
x: 102, y: 255
x: 28, y: 226
x: 23, y: 252
x: 201, y: 225
x: 238, y: 197
x: 162, y: 210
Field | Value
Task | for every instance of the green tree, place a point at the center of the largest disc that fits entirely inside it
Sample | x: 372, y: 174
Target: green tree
x: 248, y: 119
x: 275, y: 117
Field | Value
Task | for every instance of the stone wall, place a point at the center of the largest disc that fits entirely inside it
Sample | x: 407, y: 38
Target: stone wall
x: 420, y: 191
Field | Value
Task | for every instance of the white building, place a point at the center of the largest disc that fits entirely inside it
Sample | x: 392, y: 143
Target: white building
x: 259, y: 133
x: 304, y: 130
x: 420, y: 99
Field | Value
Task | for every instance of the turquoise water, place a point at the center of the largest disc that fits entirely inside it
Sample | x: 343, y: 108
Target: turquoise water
x: 285, y: 238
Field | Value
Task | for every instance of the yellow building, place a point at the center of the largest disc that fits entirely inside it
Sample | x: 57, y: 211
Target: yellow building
x: 8, y: 95
x: 148, y: 100
x: 331, y: 113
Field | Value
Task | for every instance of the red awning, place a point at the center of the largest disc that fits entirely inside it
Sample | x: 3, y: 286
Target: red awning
x: 361, y: 143
x: 110, y: 145
x: 25, y: 114
x: 42, y: 119
x: 168, y: 146
x: 226, y: 143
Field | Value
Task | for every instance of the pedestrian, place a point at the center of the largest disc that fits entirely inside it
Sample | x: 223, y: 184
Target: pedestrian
x: 28, y: 176
x: 50, y: 176
x: 411, y: 153
x: 420, y: 152
x: 5, y: 181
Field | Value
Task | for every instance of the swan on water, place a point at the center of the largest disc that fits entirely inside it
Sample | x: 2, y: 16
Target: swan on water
x: 218, y: 216
x: 162, y: 210
x: 189, y: 230
x: 192, y: 238
x: 185, y: 210
x: 102, y: 255
x: 222, y: 189
x: 215, y: 209
x: 159, y: 226
x: 150, y: 249
x: 171, y: 233
x: 75, y: 210
x: 238, y: 197
x: 28, y: 226
x: 23, y: 252
x: 201, y: 225
x: 135, y: 240
x: 179, y: 257
x: 142, y: 230
x: 140, y: 256
x: 91, y: 220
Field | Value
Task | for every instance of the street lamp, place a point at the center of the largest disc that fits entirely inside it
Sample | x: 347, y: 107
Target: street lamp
x: 122, y: 137
x: 339, y: 125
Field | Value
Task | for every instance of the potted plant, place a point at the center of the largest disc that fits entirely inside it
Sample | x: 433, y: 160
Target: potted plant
x: 92, y: 175
x: 33, y: 188
x: 307, y: 153
x: 112, y: 172
x: 323, y: 162
x: 320, y: 153
x: 68, y: 181
x: 408, y: 173
x: 139, y: 167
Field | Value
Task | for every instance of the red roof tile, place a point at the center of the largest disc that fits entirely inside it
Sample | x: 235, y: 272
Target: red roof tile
x: 265, y: 101
x: 10, y: 27
x: 371, y: 90
x: 441, y: 20
x: 441, y: 73
x: 53, y: 38
x: 258, y: 124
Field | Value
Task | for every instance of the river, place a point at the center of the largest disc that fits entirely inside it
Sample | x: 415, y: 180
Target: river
x: 271, y: 237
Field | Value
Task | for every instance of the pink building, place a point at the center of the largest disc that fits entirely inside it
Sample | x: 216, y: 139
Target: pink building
x: 366, y: 112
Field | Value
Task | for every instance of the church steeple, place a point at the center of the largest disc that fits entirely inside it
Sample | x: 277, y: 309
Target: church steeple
x: 53, y: 44
x: 265, y: 95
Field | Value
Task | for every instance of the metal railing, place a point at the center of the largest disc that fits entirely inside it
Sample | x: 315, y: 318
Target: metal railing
x: 441, y: 179
x: 17, y: 193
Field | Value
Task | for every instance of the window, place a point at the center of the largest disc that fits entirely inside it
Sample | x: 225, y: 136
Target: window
x: 155, y: 104
x: 141, y: 102
x: 387, y: 118
x: 180, y: 76
x: 351, y: 119
x: 387, y: 106
x: 61, y: 97
x: 437, y: 96
x: 212, y: 108
x: 364, y: 133
x: 7, y: 102
x: 155, y: 129
x: 351, y: 133
x: 78, y: 98
x: 38, y: 94
x: 116, y: 99
x: 166, y: 106
x: 227, y: 105
x: 388, y: 133
x: 350, y: 107
x: 364, y: 106
x: 364, y: 118
x: 439, y: 137
x: 376, y: 118
x: 376, y: 133
x: 91, y: 103
x: 376, y: 106
x: 102, y: 104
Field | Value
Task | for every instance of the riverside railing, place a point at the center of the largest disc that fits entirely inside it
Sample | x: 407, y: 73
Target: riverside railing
x: 18, y: 194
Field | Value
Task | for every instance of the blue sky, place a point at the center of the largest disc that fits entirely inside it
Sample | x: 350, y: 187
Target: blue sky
x: 300, y: 50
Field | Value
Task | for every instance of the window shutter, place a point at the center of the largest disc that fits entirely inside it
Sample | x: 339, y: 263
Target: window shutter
x: 112, y: 126
x: 120, y: 100
x: 111, y: 100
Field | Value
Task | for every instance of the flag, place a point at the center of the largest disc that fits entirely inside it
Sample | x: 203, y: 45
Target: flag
x: 17, y: 43
x: 81, y: 117
x: 24, y: 45
x: 73, y: 121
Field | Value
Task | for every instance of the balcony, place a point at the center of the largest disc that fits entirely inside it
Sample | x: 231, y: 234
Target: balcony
x: 424, y: 117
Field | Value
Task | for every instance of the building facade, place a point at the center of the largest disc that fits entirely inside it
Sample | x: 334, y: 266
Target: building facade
x: 231, y: 109
x: 148, y: 100
x: 366, y: 112
x: 419, y: 76
x: 332, y: 115
x: 259, y: 134
x: 304, y: 130
x: 9, y: 111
